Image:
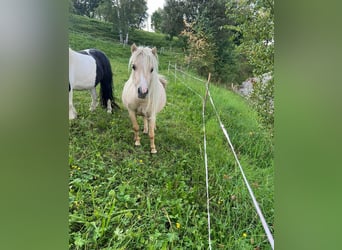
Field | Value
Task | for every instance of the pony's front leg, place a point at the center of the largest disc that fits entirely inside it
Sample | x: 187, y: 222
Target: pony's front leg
x: 151, y: 125
x: 72, y: 110
x: 93, y: 104
x: 133, y: 117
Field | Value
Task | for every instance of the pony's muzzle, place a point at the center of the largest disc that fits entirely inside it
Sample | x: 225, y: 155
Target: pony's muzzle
x: 142, y: 95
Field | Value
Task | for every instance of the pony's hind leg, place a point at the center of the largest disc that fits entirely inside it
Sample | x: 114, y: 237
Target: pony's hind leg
x: 133, y: 117
x: 94, y: 103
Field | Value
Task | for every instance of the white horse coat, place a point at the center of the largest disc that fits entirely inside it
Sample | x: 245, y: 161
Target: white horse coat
x: 78, y: 65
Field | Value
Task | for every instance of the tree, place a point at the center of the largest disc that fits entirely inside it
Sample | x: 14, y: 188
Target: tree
x: 254, y: 31
x: 254, y: 27
x: 193, y: 9
x: 131, y: 14
x: 105, y: 11
x: 85, y: 7
x: 201, y: 49
x: 212, y: 18
x: 135, y: 12
x: 208, y: 19
x: 124, y: 14
x: 173, y: 14
x: 156, y: 20
x: 176, y: 11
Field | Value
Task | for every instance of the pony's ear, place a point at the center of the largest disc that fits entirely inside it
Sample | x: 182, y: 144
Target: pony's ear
x: 133, y: 47
x: 154, y: 51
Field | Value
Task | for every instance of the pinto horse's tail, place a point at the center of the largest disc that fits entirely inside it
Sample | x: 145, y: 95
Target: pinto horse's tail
x: 104, y: 75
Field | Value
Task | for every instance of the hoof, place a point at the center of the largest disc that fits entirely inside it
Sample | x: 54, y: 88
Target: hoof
x: 72, y: 116
x: 137, y: 143
x: 153, y: 151
x: 109, y: 111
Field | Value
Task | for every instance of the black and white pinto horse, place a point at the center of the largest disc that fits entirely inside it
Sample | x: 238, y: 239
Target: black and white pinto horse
x: 86, y: 69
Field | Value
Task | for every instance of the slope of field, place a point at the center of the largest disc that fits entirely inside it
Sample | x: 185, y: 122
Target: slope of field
x: 122, y: 197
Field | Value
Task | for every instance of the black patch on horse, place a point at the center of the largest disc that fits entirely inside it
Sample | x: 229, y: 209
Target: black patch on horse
x: 104, y: 75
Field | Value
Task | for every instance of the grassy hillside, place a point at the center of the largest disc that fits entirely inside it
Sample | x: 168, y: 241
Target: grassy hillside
x: 104, y: 31
x: 122, y: 197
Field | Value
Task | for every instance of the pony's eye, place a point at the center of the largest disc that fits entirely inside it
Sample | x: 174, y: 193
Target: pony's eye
x: 133, y: 67
x: 151, y: 70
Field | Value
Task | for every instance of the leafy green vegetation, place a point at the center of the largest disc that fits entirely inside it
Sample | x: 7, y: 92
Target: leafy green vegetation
x: 254, y: 26
x: 122, y: 197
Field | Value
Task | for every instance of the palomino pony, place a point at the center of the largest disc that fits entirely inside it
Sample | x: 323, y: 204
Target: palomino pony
x: 144, y: 92
x: 86, y: 69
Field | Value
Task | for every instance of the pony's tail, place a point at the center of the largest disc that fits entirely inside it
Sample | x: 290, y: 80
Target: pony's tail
x: 107, y: 86
x: 162, y: 80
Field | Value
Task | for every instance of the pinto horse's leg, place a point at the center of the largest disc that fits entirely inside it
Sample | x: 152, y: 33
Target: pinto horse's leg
x: 109, y: 106
x: 145, y: 125
x: 133, y: 117
x: 72, y: 110
x: 152, y: 123
x: 93, y: 104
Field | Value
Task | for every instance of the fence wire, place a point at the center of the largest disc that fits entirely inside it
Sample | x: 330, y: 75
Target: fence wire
x: 207, y: 94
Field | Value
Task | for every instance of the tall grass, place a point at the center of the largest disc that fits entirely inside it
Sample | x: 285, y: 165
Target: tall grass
x: 122, y: 197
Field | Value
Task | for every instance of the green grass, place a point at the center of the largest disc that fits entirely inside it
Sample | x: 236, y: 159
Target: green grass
x: 122, y: 197
x: 104, y: 31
